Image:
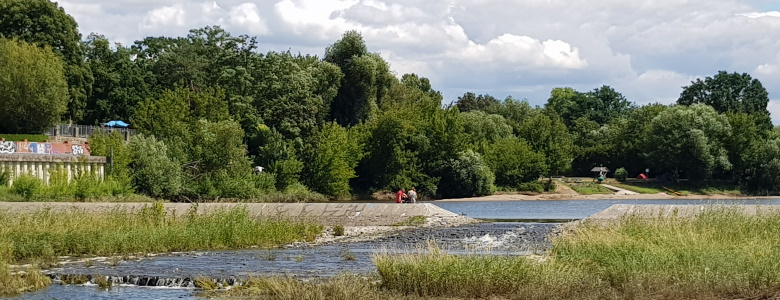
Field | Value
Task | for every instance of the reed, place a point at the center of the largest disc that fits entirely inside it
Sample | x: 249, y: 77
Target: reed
x: 341, y: 287
x: 722, y: 254
x: 46, y: 235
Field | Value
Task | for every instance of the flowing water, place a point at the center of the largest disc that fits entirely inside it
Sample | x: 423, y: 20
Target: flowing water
x: 170, y: 276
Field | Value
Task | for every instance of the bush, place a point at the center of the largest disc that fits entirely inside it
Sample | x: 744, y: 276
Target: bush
x: 466, y: 176
x: 153, y: 172
x: 5, y: 177
x: 27, y: 186
x: 534, y: 186
x: 621, y: 174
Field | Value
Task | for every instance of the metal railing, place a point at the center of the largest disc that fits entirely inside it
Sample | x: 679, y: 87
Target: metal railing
x: 85, y: 131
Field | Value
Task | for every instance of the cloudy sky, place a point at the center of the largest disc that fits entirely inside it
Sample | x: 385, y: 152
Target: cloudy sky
x: 645, y: 49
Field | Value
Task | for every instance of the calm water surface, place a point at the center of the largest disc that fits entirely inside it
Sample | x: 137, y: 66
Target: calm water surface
x: 564, y: 209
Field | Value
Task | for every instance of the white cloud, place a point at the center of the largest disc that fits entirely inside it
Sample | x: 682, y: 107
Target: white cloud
x: 164, y: 16
x: 247, y: 16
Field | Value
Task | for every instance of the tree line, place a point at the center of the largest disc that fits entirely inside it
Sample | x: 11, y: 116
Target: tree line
x: 211, y: 105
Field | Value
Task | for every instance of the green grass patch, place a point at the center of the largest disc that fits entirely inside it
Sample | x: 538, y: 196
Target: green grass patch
x: 722, y: 254
x: 22, y: 137
x: 413, y: 221
x: 588, y: 188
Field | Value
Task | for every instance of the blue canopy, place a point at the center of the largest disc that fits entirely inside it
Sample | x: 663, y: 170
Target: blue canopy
x: 116, y: 123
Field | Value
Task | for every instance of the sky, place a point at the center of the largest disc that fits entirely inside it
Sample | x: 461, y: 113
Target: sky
x: 645, y: 49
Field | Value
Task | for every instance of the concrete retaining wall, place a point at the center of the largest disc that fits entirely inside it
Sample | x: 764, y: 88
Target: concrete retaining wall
x: 348, y: 214
x: 40, y: 165
x: 617, y: 211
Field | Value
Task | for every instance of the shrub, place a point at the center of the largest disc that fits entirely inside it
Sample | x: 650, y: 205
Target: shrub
x: 27, y: 186
x: 621, y: 174
x: 5, y: 177
x: 534, y: 186
x: 154, y: 172
x: 466, y: 176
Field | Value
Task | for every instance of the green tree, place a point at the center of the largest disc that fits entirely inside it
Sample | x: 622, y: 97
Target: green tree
x: 120, y: 84
x: 332, y: 160
x: 366, y: 80
x: 690, y: 139
x: 514, y: 162
x: 470, y: 102
x: 547, y: 134
x: 466, y: 175
x: 729, y: 92
x: 154, y: 172
x: 761, y: 174
x: 481, y: 127
x: 44, y: 23
x: 33, y: 90
x: 599, y: 105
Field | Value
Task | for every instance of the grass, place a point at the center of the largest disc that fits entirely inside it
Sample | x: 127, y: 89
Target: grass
x: 413, y: 221
x: 722, y: 254
x: 340, y: 287
x: 22, y: 137
x: 45, y: 235
x: 684, y: 188
x: 588, y: 188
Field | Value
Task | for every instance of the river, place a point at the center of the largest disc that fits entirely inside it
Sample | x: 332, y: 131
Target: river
x: 518, y: 227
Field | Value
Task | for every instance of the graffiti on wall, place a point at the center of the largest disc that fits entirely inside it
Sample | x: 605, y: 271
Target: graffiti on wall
x: 7, y: 147
x: 43, y: 148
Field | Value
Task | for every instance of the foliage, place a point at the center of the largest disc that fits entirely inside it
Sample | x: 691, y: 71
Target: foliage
x: 600, y: 105
x: 366, y: 79
x: 27, y: 186
x: 547, y: 134
x: 729, y: 92
x: 467, y: 175
x: 470, y: 102
x: 690, y: 139
x: 621, y: 174
x: 46, y: 24
x: 332, y: 160
x: 154, y: 172
x: 514, y: 162
x: 534, y: 186
x: 111, y: 145
x: 33, y: 90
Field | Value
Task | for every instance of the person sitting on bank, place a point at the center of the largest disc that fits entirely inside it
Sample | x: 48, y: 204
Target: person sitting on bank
x: 400, y: 196
x: 412, y: 196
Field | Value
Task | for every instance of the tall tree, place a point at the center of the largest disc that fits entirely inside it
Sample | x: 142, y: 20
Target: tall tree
x: 599, y: 105
x: 469, y: 102
x: 546, y: 133
x: 33, y: 90
x: 730, y: 92
x: 366, y: 80
x: 44, y: 23
x: 690, y: 139
x: 119, y: 85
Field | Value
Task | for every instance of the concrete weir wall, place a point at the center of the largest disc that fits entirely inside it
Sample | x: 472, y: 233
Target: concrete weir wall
x: 617, y: 211
x: 347, y: 214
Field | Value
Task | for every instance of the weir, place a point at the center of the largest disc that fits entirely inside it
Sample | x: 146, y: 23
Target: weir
x: 346, y: 214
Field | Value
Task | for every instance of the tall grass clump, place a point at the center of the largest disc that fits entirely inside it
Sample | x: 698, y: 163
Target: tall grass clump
x: 47, y: 234
x: 340, y: 287
x: 721, y: 254
x: 17, y: 282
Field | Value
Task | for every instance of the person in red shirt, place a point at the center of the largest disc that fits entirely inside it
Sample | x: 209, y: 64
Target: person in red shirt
x: 400, y: 196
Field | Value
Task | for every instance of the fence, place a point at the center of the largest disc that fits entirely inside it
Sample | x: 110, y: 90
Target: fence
x: 85, y: 131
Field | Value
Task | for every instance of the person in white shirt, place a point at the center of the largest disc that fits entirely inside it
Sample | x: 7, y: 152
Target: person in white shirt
x: 412, y: 195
